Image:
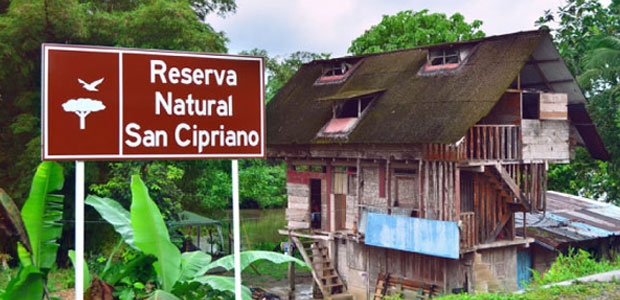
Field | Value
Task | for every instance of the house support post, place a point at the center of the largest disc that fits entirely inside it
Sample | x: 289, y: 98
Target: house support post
x: 387, y: 186
x: 331, y: 249
x: 291, y: 265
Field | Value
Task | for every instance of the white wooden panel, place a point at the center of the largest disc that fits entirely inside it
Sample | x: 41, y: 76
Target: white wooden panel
x: 297, y: 214
x: 340, y: 184
x: 298, y: 225
x: 298, y: 189
x: 295, y: 202
x: 545, y: 140
x: 553, y: 106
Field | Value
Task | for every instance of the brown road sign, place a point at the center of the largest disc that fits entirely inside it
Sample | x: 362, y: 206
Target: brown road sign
x: 102, y: 103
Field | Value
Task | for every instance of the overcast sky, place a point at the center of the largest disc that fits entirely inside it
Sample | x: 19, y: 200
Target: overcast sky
x: 328, y: 26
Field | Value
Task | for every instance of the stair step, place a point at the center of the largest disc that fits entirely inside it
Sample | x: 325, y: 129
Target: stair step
x: 332, y: 285
x: 343, y: 296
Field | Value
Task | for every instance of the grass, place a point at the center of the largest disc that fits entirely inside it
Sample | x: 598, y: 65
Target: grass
x: 268, y: 271
x: 58, y: 279
x: 573, y: 265
x: 580, y: 290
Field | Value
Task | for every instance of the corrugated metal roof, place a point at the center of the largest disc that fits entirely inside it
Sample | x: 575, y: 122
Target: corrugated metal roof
x: 571, y: 219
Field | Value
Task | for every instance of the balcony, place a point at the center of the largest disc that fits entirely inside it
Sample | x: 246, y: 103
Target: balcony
x: 492, y: 142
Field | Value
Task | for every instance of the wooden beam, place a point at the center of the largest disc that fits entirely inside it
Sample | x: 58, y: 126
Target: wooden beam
x: 498, y: 228
x: 511, y: 185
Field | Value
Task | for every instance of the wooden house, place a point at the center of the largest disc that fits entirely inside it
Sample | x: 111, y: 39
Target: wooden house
x: 413, y: 163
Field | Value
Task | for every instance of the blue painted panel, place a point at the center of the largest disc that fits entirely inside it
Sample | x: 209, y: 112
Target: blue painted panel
x: 524, y: 265
x: 431, y: 237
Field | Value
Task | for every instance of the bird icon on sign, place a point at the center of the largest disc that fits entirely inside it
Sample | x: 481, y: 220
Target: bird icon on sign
x: 92, y: 87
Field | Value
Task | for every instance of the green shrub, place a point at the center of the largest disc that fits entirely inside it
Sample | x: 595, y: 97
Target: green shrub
x: 573, y: 265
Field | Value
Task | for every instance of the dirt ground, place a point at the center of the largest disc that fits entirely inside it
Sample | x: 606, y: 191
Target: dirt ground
x: 65, y: 294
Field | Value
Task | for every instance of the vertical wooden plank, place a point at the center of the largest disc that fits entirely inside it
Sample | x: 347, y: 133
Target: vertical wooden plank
x: 502, y: 139
x: 488, y: 200
x: 484, y: 142
x: 483, y: 224
x: 427, y: 192
x: 492, y: 137
x: 433, y: 186
x: 497, y: 143
x: 457, y: 191
x: 451, y: 215
x: 509, y: 145
x: 478, y: 130
x: 441, y: 191
x: 421, y: 189
x: 470, y: 143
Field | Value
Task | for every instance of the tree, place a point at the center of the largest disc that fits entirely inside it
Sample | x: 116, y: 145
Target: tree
x: 82, y: 107
x: 280, y: 69
x: 586, y: 37
x: 408, y: 29
x: 579, y: 22
x: 39, y: 228
x: 24, y: 25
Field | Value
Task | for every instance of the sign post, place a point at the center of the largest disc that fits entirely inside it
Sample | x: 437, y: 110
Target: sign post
x: 103, y: 103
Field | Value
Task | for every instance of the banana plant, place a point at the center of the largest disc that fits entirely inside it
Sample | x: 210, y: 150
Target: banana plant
x: 38, y: 229
x: 144, y: 228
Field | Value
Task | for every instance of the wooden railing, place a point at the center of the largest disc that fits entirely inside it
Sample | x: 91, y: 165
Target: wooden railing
x: 492, y: 142
x: 468, y: 230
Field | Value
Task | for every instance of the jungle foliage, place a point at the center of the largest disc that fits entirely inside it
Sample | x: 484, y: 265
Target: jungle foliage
x: 408, y: 29
x: 200, y: 186
x: 587, y: 37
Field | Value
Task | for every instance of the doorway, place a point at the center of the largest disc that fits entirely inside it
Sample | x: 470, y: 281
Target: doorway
x: 315, y: 203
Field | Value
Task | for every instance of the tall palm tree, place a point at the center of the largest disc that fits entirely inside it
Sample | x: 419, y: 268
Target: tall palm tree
x: 602, y: 66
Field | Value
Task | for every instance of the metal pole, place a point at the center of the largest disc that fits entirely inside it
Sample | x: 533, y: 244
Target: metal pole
x: 79, y: 230
x: 236, y: 234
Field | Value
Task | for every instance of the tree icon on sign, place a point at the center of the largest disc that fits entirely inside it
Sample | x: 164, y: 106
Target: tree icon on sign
x: 83, y: 107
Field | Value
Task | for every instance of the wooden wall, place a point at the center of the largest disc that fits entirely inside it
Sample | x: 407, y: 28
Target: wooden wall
x: 360, y: 266
x: 298, y: 192
x: 490, y: 207
x: 545, y: 140
x: 439, y: 191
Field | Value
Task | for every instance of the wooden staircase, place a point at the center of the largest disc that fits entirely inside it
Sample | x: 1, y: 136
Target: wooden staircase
x: 510, y: 194
x: 325, y: 275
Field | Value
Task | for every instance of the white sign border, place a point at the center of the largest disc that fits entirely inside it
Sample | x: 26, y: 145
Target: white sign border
x: 46, y: 47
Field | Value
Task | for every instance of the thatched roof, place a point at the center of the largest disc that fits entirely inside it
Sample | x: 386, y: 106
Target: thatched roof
x: 413, y: 107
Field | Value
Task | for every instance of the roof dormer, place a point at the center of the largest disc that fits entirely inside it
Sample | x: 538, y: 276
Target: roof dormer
x: 347, y: 110
x: 337, y: 71
x: 446, y: 57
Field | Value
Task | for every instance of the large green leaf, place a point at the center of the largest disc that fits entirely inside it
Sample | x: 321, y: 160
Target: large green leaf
x: 11, y: 215
x: 162, y: 295
x: 86, y: 275
x: 151, y: 235
x: 223, y: 283
x: 248, y: 257
x: 115, y: 214
x: 27, y: 285
x: 192, y: 263
x: 42, y: 212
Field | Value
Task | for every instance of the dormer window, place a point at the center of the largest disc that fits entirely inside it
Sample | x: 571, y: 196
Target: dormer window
x: 337, y: 71
x: 438, y: 57
x: 347, y: 110
x: 446, y: 58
